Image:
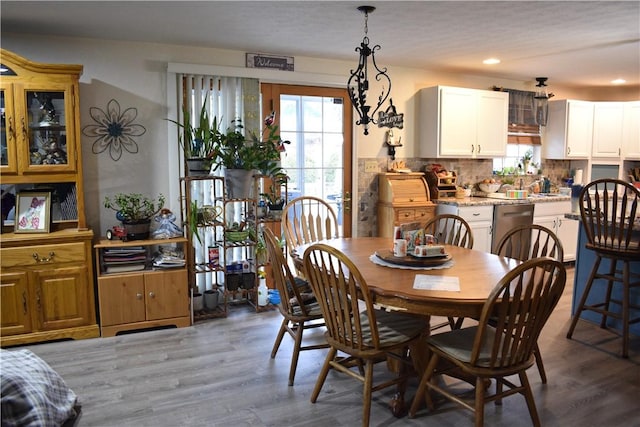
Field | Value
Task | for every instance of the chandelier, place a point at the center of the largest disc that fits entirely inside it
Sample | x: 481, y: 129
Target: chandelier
x: 358, y: 84
x: 541, y: 100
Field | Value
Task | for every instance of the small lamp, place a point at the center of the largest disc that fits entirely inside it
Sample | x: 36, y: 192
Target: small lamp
x: 541, y: 100
x: 358, y: 83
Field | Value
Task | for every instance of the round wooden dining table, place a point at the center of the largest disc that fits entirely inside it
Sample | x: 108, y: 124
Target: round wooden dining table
x: 392, y: 287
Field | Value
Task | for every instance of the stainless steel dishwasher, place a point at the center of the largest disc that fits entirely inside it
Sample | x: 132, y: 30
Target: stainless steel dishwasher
x: 506, y: 217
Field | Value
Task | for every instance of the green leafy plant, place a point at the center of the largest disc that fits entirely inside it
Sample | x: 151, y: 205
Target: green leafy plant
x: 232, y: 150
x: 274, y: 197
x: 197, y: 142
x: 134, y: 206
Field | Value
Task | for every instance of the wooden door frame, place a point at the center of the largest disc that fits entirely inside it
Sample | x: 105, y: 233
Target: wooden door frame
x: 272, y: 91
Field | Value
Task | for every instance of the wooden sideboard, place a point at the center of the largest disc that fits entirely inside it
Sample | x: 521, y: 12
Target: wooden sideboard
x: 402, y: 198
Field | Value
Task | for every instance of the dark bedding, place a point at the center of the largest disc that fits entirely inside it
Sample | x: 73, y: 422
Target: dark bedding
x: 33, y: 394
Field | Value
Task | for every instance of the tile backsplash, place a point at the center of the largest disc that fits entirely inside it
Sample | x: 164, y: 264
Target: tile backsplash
x: 469, y: 171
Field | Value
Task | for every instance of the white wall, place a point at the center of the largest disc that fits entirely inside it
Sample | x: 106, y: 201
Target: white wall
x: 135, y: 74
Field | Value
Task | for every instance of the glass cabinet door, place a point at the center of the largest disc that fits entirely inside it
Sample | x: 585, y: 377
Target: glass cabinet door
x: 7, y: 131
x: 46, y: 130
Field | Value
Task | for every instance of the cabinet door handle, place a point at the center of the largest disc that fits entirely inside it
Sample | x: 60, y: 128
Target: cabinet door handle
x: 568, y: 150
x: 48, y: 259
x: 559, y: 222
x: 473, y: 147
x: 25, y: 134
x: 38, y: 299
x: 24, y: 302
x: 479, y: 148
x: 152, y: 295
x: 12, y: 131
x: 138, y: 295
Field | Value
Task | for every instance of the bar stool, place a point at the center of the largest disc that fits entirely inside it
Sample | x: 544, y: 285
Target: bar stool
x: 608, y: 208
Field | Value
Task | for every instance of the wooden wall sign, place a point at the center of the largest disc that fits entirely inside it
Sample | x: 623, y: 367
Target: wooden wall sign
x: 390, y: 118
x: 274, y: 62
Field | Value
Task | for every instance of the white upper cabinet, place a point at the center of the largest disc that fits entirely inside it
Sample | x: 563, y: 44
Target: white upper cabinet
x: 463, y: 123
x: 607, y: 129
x: 631, y: 130
x: 569, y: 130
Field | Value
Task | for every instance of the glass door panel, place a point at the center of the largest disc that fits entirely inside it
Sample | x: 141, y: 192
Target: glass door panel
x: 7, y: 131
x: 47, y: 131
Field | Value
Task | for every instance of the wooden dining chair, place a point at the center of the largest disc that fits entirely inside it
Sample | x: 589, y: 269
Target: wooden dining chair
x: 450, y: 229
x: 608, y: 208
x: 502, y: 343
x: 298, y: 306
x: 366, y: 336
x: 527, y: 242
x: 308, y: 219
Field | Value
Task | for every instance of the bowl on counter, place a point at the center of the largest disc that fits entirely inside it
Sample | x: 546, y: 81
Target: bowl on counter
x: 489, y: 188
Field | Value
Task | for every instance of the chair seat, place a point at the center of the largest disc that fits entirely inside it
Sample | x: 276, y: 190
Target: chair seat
x: 393, y: 328
x: 459, y: 344
x: 313, y: 309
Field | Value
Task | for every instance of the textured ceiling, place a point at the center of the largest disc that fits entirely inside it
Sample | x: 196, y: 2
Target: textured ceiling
x: 574, y: 43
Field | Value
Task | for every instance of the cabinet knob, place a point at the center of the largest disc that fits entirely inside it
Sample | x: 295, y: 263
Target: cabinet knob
x: 138, y: 296
x: 152, y: 295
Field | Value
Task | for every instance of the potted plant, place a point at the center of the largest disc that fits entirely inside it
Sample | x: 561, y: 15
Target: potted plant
x: 234, y: 151
x: 135, y: 210
x: 197, y: 142
x: 274, y: 197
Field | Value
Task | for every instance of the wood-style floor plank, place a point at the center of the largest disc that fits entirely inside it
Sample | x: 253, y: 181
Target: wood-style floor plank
x: 219, y: 373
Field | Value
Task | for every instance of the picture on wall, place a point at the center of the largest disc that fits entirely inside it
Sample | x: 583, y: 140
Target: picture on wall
x: 33, y: 212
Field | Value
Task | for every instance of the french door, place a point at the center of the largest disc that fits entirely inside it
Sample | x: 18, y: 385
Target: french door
x: 317, y: 121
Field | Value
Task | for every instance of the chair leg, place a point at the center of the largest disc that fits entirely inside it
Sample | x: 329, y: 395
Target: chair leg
x: 366, y: 392
x: 626, y: 281
x: 583, y: 299
x: 607, y: 300
x: 296, y: 351
x: 528, y: 395
x: 479, y: 402
x: 276, y: 344
x: 422, y: 387
x: 323, y: 374
x: 538, y: 356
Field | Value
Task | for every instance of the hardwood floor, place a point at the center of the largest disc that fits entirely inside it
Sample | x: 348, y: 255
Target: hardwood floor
x: 219, y: 373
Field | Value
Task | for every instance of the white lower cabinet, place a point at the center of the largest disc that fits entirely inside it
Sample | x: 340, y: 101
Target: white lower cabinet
x: 480, y: 219
x: 551, y: 215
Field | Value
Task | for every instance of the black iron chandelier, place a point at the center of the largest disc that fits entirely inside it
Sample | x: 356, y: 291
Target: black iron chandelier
x: 541, y: 99
x: 358, y: 84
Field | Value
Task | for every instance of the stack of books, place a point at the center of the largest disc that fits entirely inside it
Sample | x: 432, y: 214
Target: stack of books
x: 121, y: 260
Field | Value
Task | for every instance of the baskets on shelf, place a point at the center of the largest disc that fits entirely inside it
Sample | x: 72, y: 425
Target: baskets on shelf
x: 237, y: 236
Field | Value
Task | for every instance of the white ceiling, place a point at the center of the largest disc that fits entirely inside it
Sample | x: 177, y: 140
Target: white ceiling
x: 574, y: 43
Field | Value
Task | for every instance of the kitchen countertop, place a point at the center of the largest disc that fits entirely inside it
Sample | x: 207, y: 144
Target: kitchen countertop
x: 485, y: 201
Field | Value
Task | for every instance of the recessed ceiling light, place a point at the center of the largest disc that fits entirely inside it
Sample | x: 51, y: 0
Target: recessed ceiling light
x: 491, y: 61
x: 618, y: 81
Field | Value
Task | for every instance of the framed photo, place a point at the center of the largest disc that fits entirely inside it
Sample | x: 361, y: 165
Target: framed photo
x: 33, y: 212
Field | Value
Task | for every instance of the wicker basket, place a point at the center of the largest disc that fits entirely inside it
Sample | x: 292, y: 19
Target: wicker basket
x: 236, y: 236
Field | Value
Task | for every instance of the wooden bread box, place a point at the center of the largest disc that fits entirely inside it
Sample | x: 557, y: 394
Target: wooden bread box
x: 402, y: 198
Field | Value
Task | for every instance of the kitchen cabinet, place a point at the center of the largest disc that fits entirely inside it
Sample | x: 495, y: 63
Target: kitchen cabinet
x: 552, y: 216
x: 463, y: 123
x: 46, y: 290
x: 631, y: 131
x: 402, y: 198
x: 479, y: 218
x: 607, y: 129
x: 569, y: 131
x: 147, y: 298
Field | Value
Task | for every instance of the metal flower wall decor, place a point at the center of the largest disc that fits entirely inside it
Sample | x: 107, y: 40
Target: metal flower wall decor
x: 114, y: 130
